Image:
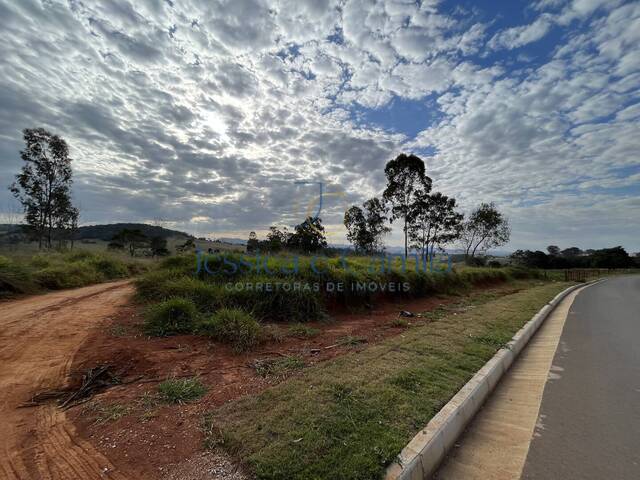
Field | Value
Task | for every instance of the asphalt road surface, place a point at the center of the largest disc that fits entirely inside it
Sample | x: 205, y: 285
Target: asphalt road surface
x: 590, y: 414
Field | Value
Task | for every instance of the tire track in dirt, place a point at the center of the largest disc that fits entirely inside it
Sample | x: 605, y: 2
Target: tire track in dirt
x: 39, y: 337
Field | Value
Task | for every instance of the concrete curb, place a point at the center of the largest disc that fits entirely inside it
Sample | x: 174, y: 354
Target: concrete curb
x: 423, y: 454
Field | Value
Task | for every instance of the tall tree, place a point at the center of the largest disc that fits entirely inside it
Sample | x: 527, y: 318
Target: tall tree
x: 158, y: 246
x: 485, y: 228
x: 308, y: 237
x: 434, y: 222
x: 276, y: 239
x: 44, y: 184
x: 406, y: 181
x: 553, y: 250
x: 367, y: 225
x: 253, y: 242
x: 131, y: 239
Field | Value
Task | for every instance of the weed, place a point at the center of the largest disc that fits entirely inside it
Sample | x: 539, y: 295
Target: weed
x: 302, y: 330
x: 273, y: 333
x: 351, y: 341
x: 171, y: 317
x: 214, y: 437
x: 118, y: 331
x: 233, y: 326
x: 278, y: 367
x: 111, y: 413
x: 181, y: 390
x: 399, y: 323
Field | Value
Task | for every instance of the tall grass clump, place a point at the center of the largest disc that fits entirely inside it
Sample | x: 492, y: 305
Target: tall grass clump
x: 15, y: 278
x: 233, y: 326
x: 171, y: 317
x: 181, y: 390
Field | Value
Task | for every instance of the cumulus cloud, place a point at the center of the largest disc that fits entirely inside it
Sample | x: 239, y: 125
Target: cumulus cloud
x: 213, y: 110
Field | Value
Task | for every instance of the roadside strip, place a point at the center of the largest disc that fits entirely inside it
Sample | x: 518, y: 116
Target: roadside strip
x: 422, y: 455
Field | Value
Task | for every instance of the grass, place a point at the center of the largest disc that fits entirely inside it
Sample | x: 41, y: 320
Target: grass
x: 233, y: 326
x: 278, y: 367
x: 111, y: 413
x: 274, y: 292
x: 181, y: 390
x: 348, y: 418
x: 301, y: 330
x: 26, y: 274
x: 171, y: 317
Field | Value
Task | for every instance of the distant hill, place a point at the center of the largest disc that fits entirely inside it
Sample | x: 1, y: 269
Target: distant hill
x: 108, y: 231
x: 233, y: 241
x: 98, y: 232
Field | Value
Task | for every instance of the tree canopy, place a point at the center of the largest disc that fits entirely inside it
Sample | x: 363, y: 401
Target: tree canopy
x: 434, y: 221
x: 406, y: 181
x: 485, y: 228
x: 43, y: 186
x: 367, y: 225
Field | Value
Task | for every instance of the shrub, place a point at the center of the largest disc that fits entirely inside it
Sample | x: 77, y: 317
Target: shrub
x: 109, y: 267
x: 152, y: 286
x: 15, y: 278
x: 182, y: 390
x: 171, y: 317
x: 71, y: 275
x: 206, y: 296
x: 186, y: 263
x: 233, y: 326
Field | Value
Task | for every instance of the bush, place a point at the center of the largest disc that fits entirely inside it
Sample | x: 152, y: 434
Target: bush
x: 171, y: 317
x: 186, y: 263
x: 233, y: 326
x: 183, y: 390
x: 15, y: 279
x: 109, y: 267
x: 206, y: 296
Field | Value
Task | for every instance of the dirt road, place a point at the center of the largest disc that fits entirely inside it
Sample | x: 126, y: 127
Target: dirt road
x: 38, y: 339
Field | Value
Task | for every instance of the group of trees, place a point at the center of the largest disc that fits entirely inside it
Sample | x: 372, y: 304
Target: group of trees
x: 573, y: 257
x: 307, y: 237
x: 43, y: 187
x: 134, y: 240
x: 429, y: 219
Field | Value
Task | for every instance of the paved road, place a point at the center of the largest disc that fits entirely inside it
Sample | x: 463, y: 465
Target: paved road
x: 590, y: 412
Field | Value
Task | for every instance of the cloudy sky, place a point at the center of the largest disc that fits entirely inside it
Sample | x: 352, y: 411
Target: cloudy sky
x: 205, y: 113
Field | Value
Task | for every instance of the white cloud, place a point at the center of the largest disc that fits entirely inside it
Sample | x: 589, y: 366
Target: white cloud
x: 211, y: 110
x: 519, y: 36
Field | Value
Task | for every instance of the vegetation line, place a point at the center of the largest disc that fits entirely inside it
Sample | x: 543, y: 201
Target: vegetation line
x: 354, y: 414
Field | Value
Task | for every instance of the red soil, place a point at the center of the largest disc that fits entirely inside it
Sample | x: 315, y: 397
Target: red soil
x: 147, y: 441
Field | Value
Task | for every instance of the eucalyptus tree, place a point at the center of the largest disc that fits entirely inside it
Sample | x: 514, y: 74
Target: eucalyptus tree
x: 485, y: 228
x: 406, y: 183
x: 43, y: 186
x: 434, y: 222
x: 367, y: 226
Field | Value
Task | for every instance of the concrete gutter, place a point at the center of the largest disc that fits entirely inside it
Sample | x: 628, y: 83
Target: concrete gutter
x: 422, y: 455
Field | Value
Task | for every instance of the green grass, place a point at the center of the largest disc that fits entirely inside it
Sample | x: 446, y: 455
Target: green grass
x: 308, y: 294
x: 278, y: 367
x: 111, y: 413
x: 171, y: 317
x: 181, y: 390
x: 233, y: 326
x: 25, y: 274
x: 349, y: 418
x: 301, y: 330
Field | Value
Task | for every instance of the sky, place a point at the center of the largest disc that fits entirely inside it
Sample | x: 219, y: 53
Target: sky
x: 209, y: 116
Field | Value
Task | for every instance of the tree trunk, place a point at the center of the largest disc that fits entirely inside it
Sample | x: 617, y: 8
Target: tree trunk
x: 406, y: 250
